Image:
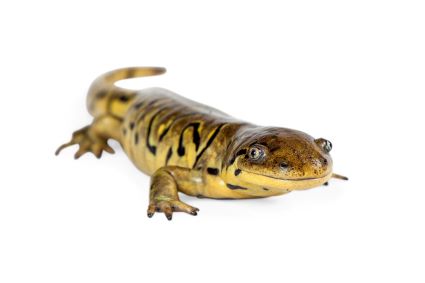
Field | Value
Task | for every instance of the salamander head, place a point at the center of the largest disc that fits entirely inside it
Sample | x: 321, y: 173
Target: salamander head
x: 278, y: 160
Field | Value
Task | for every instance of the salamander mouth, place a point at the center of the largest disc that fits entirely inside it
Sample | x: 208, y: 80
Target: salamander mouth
x: 283, y: 183
x: 288, y: 179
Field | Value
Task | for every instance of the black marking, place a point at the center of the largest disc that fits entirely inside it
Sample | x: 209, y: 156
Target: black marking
x: 146, y: 111
x: 229, y: 144
x: 131, y: 125
x: 152, y: 102
x: 209, y: 142
x: 265, y: 189
x: 196, y: 138
x: 326, y: 184
x: 138, y: 105
x: 161, y: 137
x: 233, y: 187
x: 124, y: 98
x: 109, y: 106
x: 164, y: 133
x: 152, y: 148
x: 237, y: 172
x: 136, y: 138
x: 212, y: 171
x: 169, y: 154
x: 240, y: 152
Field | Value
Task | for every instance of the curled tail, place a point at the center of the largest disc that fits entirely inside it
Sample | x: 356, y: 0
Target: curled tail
x: 106, y: 98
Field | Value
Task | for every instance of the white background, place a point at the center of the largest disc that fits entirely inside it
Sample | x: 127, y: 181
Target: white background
x: 349, y: 71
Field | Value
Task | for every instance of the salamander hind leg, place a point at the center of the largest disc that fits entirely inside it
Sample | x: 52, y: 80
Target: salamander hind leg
x: 164, y: 194
x: 89, y: 139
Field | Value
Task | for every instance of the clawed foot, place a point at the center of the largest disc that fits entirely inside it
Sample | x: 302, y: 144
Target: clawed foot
x: 168, y: 206
x: 87, y: 144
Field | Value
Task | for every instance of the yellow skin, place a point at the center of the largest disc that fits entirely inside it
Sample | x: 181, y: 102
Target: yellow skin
x: 197, y: 150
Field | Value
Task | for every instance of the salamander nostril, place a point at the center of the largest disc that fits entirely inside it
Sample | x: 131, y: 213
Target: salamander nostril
x: 325, y: 161
x: 283, y: 165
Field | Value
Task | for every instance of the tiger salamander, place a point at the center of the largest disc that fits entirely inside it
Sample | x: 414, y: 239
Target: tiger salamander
x: 191, y: 148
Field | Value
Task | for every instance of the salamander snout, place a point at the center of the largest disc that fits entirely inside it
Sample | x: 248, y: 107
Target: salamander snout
x: 310, y: 165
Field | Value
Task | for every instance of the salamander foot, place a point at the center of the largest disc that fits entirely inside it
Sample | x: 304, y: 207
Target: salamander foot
x: 88, y: 142
x: 168, y: 206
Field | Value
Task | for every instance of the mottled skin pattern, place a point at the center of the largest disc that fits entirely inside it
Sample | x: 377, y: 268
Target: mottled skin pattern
x: 197, y: 150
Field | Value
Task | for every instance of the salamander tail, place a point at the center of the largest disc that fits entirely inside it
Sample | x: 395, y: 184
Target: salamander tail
x: 104, y: 97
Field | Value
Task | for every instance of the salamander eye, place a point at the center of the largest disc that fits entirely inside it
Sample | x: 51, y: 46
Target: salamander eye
x: 255, y: 153
x: 325, y: 144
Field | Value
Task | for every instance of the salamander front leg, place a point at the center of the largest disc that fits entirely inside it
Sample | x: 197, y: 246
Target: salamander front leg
x: 164, y: 193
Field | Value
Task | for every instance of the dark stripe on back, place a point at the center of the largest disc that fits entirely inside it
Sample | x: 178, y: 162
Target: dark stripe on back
x: 138, y: 105
x: 169, y: 154
x: 209, y: 142
x: 146, y: 110
x: 162, y: 135
x: 196, y: 138
x: 152, y: 148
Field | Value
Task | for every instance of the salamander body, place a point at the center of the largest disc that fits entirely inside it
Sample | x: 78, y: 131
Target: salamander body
x: 191, y: 148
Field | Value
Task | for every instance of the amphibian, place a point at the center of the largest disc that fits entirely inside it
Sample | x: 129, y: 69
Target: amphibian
x: 197, y: 150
